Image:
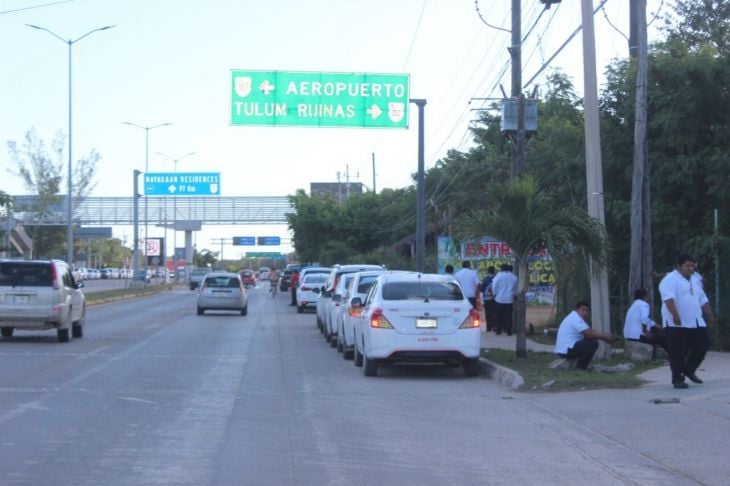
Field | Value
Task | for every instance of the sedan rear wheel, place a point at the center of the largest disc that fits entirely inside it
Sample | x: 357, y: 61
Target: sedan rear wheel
x: 356, y: 357
x: 369, y: 366
x: 471, y: 367
x: 200, y: 311
x: 7, y: 331
x: 244, y: 311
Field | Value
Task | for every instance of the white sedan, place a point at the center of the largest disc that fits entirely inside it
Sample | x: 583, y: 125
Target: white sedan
x: 359, y: 287
x: 308, y: 290
x: 413, y: 317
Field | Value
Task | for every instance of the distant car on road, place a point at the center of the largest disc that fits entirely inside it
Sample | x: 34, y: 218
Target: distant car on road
x: 247, y: 277
x: 196, y: 277
x: 309, y: 289
x: 222, y: 291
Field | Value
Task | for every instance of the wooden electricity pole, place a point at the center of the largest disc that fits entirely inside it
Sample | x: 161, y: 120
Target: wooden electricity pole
x: 640, y: 256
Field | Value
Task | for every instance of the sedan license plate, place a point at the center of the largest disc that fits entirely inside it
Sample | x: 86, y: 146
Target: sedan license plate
x: 21, y: 299
x: 424, y: 323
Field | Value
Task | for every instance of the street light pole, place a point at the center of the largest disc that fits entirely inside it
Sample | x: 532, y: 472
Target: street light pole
x: 69, y: 223
x: 174, y: 207
x: 146, y: 165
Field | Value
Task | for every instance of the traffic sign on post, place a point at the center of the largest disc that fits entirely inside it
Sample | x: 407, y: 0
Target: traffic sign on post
x: 315, y: 99
x: 244, y: 241
x: 182, y: 184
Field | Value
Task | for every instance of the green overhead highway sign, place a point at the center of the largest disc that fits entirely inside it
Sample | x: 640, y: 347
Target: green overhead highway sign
x: 262, y: 254
x: 280, y: 98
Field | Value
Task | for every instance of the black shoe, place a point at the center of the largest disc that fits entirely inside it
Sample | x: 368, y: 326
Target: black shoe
x: 680, y: 384
x: 693, y: 378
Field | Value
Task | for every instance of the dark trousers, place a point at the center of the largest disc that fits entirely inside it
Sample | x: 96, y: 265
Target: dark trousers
x: 582, y: 351
x: 489, y: 314
x: 686, y: 348
x: 293, y: 296
x: 657, y: 338
x: 473, y: 301
x: 504, y: 318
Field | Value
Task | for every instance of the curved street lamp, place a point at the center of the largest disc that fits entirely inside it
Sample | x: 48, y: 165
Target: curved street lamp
x: 174, y: 208
x: 146, y: 165
x: 69, y: 223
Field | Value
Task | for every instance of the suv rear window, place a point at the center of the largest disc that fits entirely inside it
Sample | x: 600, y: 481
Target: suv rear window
x: 223, y: 282
x: 422, y: 291
x: 26, y: 274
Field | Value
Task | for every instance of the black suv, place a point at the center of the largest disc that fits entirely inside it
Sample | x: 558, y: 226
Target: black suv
x: 286, y: 275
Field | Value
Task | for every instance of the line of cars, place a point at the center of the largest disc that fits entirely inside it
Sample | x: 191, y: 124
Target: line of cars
x: 376, y: 316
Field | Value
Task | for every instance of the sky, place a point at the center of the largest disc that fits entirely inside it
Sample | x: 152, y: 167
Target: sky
x: 170, y: 61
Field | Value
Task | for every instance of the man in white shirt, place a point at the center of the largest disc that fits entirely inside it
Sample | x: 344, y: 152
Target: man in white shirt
x: 684, y: 310
x: 469, y: 281
x: 638, y: 326
x: 576, y: 340
x: 504, y: 288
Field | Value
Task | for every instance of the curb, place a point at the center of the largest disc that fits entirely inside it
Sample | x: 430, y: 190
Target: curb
x: 505, y: 376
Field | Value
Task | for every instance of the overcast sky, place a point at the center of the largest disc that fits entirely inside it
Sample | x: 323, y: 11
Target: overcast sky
x: 171, y: 61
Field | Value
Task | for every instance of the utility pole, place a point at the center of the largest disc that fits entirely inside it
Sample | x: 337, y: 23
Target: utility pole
x: 347, y: 181
x: 518, y: 159
x: 339, y: 189
x: 600, y: 314
x: 374, y: 190
x: 420, y: 190
x: 640, y: 254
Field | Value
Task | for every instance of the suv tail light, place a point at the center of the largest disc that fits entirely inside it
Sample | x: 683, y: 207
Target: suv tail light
x: 54, y: 276
x: 378, y: 320
x: 472, y: 320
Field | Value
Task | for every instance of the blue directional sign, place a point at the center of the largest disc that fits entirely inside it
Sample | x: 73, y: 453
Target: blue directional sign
x: 268, y: 240
x: 244, y: 240
x: 182, y: 184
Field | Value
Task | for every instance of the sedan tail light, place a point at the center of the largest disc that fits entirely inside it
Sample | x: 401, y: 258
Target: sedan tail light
x: 472, y: 321
x: 377, y: 319
x: 304, y: 289
x: 355, y: 311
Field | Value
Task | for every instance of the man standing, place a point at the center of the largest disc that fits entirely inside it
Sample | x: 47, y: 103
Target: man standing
x: 504, y: 287
x: 293, y: 284
x: 488, y: 300
x: 638, y: 326
x: 469, y: 281
x: 576, y: 340
x: 686, y: 312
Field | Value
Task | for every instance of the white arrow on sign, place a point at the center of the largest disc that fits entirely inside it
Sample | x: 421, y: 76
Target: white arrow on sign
x: 374, y: 111
x: 171, y: 188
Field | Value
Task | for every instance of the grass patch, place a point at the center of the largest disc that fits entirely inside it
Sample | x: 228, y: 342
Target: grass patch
x: 119, y: 294
x: 534, y: 369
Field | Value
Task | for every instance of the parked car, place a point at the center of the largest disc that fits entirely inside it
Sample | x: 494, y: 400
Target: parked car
x: 309, y: 289
x: 286, y: 275
x: 248, y: 277
x: 328, y: 288
x: 143, y: 275
x: 41, y: 295
x: 359, y: 286
x: 309, y: 270
x: 263, y: 274
x: 414, y: 317
x: 335, y: 307
x: 222, y: 291
x: 196, y: 277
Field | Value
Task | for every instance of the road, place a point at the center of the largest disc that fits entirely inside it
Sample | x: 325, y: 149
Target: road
x: 154, y: 394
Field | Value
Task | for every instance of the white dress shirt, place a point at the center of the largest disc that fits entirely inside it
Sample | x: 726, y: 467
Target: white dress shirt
x: 636, y: 317
x: 468, y: 279
x: 569, y: 332
x: 504, y: 287
x: 688, y: 299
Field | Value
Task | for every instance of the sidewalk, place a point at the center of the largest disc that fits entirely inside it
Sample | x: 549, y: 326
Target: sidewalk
x: 715, y: 367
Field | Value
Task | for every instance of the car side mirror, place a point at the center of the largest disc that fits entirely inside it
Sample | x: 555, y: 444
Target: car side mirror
x: 316, y: 290
x: 356, y: 302
x: 337, y: 298
x: 79, y: 284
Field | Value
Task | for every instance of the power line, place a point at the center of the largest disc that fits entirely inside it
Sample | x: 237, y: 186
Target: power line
x: 35, y: 6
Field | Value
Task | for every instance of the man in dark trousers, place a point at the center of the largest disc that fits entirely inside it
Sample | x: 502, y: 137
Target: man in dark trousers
x: 686, y: 313
x: 576, y: 340
x: 293, y: 284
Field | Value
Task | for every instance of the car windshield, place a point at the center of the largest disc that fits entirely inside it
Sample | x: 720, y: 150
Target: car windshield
x: 422, y: 290
x: 317, y: 278
x: 29, y: 275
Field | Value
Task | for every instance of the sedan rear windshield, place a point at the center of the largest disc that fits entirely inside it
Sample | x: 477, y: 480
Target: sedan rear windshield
x: 222, y: 282
x: 26, y: 274
x: 422, y: 291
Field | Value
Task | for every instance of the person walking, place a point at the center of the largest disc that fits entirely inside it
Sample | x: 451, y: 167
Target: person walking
x: 488, y: 300
x: 468, y: 279
x: 686, y: 314
x: 504, y: 287
x: 638, y: 326
x: 293, y: 284
x: 576, y: 340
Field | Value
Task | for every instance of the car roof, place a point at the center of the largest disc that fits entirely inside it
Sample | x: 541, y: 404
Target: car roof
x: 223, y: 274
x: 415, y: 276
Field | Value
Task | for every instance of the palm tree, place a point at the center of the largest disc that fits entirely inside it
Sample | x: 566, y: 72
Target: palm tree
x: 528, y: 219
